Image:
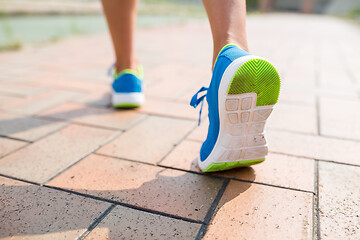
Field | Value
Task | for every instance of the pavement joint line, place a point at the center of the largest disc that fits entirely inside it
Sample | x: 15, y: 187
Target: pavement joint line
x: 20, y: 179
x: 316, y: 210
x: 11, y: 152
x: 320, y: 160
x: 104, y: 200
x: 115, y: 135
x: 204, y: 174
x: 125, y: 205
x: 31, y: 142
x: 345, y: 64
x: 15, y: 138
x: 176, y: 144
x: 211, y: 211
x: 168, y: 116
x: 71, y: 121
x: 272, y: 185
x: 96, y: 222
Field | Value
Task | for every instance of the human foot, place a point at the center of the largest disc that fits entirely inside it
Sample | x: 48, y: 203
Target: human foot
x: 127, y: 89
x: 241, y: 96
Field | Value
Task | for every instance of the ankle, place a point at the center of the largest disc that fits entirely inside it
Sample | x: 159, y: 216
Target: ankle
x: 133, y: 65
x: 220, y: 44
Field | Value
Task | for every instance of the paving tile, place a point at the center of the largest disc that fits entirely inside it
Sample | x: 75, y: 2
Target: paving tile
x: 184, y: 156
x: 340, y: 118
x: 102, y: 117
x: 96, y: 99
x: 9, y: 145
x: 69, y: 82
x: 20, y: 89
x: 296, y: 97
x: 126, y: 223
x: 169, y: 191
x: 44, y: 158
x: 299, y: 118
x: 26, y: 127
x: 4, y: 100
x: 315, y: 147
x: 200, y: 132
x: 279, y: 170
x: 149, y: 140
x: 171, y: 109
x: 253, y: 211
x: 40, y: 102
x: 339, y: 201
x: 186, y: 96
x: 31, y: 212
x: 169, y: 89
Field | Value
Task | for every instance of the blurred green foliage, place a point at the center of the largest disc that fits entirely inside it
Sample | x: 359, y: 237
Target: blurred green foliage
x: 17, y: 30
x: 355, y: 13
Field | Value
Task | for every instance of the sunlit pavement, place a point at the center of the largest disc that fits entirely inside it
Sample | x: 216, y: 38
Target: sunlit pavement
x: 72, y: 167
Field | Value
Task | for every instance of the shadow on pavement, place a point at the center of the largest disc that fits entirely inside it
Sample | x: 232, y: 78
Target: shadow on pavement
x: 34, y: 212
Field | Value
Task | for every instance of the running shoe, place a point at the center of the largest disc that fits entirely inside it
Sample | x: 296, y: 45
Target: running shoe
x: 127, y: 89
x: 243, y: 91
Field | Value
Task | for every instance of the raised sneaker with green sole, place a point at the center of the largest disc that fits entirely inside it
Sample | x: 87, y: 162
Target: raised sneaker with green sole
x: 127, y: 89
x: 243, y: 91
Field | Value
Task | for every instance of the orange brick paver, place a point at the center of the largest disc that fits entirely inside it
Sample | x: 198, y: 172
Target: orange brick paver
x: 249, y: 211
x: 43, y: 159
x: 32, y: 212
x: 148, y: 226
x: 71, y: 167
x: 165, y: 190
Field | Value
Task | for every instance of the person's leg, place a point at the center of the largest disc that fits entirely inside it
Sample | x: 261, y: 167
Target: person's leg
x: 240, y: 96
x: 121, y: 19
x: 127, y: 87
x: 228, y: 23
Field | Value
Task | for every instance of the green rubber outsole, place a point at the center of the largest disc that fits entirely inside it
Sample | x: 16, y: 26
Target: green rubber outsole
x: 258, y: 76
x: 214, y: 167
x: 127, y: 105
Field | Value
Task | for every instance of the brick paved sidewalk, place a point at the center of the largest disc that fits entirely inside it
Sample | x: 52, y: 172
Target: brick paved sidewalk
x: 71, y: 167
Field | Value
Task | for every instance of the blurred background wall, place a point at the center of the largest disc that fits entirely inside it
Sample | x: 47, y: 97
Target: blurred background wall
x: 29, y: 22
x: 310, y: 6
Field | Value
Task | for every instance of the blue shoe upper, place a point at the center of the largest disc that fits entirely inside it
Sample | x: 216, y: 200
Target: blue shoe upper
x: 127, y: 83
x: 226, y: 56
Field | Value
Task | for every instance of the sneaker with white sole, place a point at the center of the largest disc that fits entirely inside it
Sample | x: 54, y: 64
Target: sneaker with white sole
x: 127, y: 89
x: 241, y: 96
